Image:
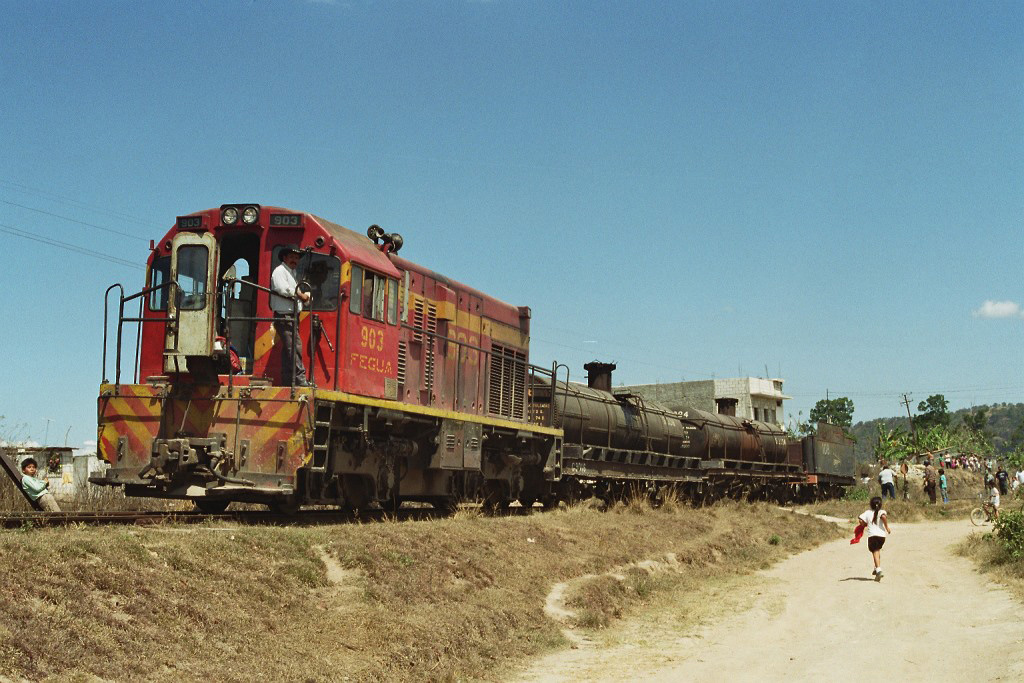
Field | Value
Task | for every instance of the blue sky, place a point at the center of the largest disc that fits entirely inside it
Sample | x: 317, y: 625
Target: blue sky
x: 830, y: 192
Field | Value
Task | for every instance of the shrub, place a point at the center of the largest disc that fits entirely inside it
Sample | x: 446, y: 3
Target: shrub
x: 1010, y: 532
x: 859, y: 492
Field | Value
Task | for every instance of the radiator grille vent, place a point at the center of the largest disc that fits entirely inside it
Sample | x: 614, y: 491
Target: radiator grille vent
x: 507, y: 386
x: 401, y: 362
x: 449, y: 442
x: 417, y: 321
x: 431, y: 343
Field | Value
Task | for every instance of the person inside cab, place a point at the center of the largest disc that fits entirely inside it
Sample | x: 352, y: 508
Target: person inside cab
x: 283, y: 298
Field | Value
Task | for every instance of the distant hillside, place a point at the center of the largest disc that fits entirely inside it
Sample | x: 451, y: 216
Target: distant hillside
x: 1003, y: 420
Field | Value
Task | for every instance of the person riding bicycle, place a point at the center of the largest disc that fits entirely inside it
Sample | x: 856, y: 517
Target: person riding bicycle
x: 993, y: 499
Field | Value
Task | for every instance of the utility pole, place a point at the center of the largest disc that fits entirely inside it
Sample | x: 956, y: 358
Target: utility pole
x: 913, y: 429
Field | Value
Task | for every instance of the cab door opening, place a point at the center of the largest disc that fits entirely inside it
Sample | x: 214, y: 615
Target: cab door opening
x: 191, y: 308
x: 239, y: 257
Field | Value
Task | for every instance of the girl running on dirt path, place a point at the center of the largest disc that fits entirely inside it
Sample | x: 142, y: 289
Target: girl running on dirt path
x: 877, y: 524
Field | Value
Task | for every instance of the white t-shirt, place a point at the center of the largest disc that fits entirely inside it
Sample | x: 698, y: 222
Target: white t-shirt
x: 282, y: 281
x: 1020, y: 476
x: 885, y: 476
x: 993, y: 496
x: 874, y: 529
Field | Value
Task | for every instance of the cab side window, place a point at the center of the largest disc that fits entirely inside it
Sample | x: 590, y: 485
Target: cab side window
x: 323, y: 273
x: 355, y: 304
x: 374, y: 296
x: 159, y: 274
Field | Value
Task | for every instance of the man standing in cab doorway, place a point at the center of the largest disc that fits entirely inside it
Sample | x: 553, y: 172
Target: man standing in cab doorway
x: 283, y: 285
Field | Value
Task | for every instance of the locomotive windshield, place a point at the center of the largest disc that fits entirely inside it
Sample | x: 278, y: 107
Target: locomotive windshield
x: 192, y: 270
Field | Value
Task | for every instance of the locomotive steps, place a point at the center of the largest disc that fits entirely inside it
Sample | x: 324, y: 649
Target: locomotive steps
x: 462, y: 597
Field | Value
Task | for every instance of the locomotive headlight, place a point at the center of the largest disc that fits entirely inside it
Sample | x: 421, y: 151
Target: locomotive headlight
x: 229, y: 216
x: 250, y: 215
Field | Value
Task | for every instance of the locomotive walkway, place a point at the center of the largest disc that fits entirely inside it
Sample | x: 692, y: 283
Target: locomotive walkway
x: 819, y: 616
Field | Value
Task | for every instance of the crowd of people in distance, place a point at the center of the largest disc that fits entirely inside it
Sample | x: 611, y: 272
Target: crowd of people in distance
x: 998, y: 481
x: 875, y: 520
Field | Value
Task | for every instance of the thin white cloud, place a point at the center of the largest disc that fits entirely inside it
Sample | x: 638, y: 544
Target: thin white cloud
x: 999, y: 309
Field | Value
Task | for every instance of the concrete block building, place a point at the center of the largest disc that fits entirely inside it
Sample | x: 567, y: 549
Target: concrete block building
x: 750, y: 397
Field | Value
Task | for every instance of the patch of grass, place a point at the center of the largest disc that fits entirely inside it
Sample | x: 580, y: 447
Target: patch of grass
x: 448, y: 599
x: 994, y: 559
x: 898, y: 510
x: 859, y: 492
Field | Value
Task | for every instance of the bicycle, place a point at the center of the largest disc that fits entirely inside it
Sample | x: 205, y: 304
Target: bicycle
x: 985, y: 514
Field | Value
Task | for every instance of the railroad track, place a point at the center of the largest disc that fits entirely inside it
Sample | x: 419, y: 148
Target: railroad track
x: 25, y: 520
x: 21, y: 520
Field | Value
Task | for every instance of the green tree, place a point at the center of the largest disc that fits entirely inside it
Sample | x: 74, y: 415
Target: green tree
x: 837, y: 411
x: 1017, y: 437
x: 934, y: 412
x: 892, y: 445
x: 977, y: 421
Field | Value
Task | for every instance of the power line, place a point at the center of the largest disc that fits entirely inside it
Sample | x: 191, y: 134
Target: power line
x: 17, y: 232
x: 75, y: 202
x: 75, y: 220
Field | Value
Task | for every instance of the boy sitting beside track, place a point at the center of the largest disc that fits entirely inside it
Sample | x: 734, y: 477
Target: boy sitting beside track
x: 36, y: 488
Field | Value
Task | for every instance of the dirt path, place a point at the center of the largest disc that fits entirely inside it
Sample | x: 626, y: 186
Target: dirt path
x: 819, y: 616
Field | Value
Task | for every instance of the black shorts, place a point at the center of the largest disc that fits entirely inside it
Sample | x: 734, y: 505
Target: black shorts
x: 875, y: 543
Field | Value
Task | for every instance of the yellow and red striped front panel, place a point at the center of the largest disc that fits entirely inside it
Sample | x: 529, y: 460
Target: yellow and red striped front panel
x: 266, y: 417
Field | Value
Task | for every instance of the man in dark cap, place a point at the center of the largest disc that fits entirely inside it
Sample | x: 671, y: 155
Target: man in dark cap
x: 283, y: 285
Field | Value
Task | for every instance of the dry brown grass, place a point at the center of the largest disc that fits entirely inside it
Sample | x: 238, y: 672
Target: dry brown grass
x: 91, y: 498
x: 11, y: 499
x: 993, y: 560
x: 438, y: 600
x: 964, y: 488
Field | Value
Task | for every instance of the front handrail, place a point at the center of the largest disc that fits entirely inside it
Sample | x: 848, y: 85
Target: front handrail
x: 293, y: 321
x: 121, y: 320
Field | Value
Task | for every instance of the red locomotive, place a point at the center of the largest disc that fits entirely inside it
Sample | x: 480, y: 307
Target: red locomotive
x: 420, y: 388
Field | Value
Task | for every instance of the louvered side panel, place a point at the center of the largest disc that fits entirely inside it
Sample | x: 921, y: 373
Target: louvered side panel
x: 417, y: 321
x: 401, y: 363
x: 430, y: 344
x: 518, y: 385
x: 494, y: 380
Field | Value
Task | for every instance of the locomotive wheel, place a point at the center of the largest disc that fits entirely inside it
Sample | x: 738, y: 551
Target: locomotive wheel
x: 448, y: 504
x: 357, y: 491
x: 285, y: 506
x: 212, y: 506
x: 391, y: 504
x: 496, y: 495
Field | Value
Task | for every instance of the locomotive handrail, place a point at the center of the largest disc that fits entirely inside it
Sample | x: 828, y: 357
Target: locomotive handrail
x: 293, y: 320
x: 121, y: 320
x: 523, y: 365
x: 106, y: 302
